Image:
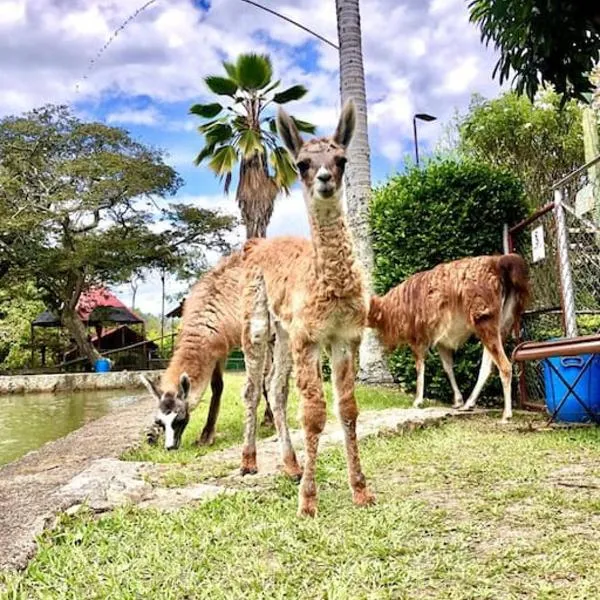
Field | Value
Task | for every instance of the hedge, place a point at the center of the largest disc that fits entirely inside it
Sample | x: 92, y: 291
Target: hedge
x: 447, y: 210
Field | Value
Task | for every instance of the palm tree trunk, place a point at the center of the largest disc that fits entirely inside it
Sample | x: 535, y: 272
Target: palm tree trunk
x: 256, y: 195
x: 373, y: 366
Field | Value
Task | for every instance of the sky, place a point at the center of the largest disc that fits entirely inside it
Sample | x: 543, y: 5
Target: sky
x: 419, y: 56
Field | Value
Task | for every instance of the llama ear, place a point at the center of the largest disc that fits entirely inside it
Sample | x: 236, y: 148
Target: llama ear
x: 288, y: 132
x: 151, y: 387
x: 184, y: 386
x: 346, y: 125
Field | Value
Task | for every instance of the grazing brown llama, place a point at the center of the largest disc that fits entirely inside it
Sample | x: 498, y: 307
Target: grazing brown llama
x: 211, y: 328
x: 313, y: 294
x: 443, y: 307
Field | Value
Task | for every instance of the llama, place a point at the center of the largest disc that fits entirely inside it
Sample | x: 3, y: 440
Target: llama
x: 313, y: 295
x: 444, y: 306
x: 211, y: 328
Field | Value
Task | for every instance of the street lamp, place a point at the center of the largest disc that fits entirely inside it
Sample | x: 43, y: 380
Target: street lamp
x: 421, y: 117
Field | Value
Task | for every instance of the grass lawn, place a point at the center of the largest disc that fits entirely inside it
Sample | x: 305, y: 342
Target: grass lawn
x: 468, y: 510
x: 230, y: 425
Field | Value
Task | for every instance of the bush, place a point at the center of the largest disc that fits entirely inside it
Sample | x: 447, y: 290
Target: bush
x: 445, y: 211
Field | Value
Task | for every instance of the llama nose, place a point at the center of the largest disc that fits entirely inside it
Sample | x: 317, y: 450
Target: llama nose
x: 324, y: 175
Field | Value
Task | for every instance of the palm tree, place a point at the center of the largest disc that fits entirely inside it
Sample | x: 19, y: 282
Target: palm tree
x: 239, y: 131
x: 373, y: 367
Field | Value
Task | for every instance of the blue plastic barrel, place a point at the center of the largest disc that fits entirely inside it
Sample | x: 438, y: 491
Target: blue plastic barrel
x: 102, y: 365
x: 587, y: 388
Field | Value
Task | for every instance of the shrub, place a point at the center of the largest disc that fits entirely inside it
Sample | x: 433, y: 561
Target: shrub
x: 445, y: 211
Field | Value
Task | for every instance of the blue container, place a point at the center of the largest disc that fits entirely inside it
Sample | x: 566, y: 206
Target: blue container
x: 102, y: 365
x: 587, y: 388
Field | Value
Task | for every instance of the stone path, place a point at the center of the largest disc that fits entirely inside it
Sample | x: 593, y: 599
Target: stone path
x: 84, y: 467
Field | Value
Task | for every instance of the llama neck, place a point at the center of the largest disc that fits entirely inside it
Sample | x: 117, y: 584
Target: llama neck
x: 198, y: 365
x: 387, y: 315
x: 334, y: 261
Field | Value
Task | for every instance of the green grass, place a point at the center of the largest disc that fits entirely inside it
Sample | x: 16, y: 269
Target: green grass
x: 231, y: 420
x: 469, y: 510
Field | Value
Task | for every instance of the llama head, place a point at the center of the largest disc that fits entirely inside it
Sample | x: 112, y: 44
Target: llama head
x: 173, y: 412
x: 320, y: 161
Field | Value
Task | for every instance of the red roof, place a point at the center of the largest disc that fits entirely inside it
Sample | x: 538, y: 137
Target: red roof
x: 99, y: 296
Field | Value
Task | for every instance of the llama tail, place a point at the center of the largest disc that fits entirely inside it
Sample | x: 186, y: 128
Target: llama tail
x: 515, y: 278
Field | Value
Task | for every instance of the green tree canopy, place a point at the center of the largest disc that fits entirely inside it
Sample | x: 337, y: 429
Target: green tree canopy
x: 537, y: 142
x: 542, y: 41
x: 78, y: 203
x: 238, y: 130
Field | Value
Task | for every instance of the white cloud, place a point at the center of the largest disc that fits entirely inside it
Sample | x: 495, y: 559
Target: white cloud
x: 146, y: 116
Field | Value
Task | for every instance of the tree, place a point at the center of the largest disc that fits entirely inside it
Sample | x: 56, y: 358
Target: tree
x: 542, y: 41
x: 239, y: 131
x: 75, y: 200
x: 373, y: 367
x: 538, y: 142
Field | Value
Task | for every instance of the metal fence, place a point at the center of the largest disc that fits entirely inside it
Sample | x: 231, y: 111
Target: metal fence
x: 561, y: 243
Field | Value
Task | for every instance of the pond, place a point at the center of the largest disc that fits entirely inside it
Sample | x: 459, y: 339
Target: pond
x: 29, y: 421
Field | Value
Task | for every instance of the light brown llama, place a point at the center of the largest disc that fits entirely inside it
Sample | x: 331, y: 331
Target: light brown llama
x: 313, y: 294
x: 211, y: 328
x: 443, y: 307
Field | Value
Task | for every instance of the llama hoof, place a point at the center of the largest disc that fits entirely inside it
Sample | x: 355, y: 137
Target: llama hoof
x: 294, y: 476
x: 267, y: 421
x: 458, y: 404
x: 363, y: 498
x: 505, y: 420
x: 248, y: 471
x: 206, y: 439
x: 307, y: 507
x: 418, y: 404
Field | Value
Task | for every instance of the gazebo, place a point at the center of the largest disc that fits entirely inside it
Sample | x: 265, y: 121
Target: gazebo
x: 97, y: 307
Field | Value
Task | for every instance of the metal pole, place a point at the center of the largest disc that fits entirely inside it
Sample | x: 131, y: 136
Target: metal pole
x: 566, y: 280
x: 505, y: 239
x: 416, y: 142
x: 162, y: 313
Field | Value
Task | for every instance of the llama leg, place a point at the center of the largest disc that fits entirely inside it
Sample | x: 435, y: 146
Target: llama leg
x: 343, y: 360
x: 314, y: 415
x: 420, y: 364
x: 255, y: 332
x: 448, y: 364
x: 268, y: 420
x: 279, y: 391
x: 484, y: 373
x: 207, y: 436
x: 493, y: 344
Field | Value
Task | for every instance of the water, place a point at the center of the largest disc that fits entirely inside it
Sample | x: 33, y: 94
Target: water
x: 29, y: 421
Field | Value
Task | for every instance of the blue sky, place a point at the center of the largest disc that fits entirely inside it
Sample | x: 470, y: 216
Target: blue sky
x: 420, y: 56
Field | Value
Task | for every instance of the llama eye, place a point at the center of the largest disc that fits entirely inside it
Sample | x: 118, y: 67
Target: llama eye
x: 341, y: 161
x: 303, y: 166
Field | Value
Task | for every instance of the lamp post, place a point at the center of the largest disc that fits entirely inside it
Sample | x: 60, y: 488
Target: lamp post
x: 421, y: 117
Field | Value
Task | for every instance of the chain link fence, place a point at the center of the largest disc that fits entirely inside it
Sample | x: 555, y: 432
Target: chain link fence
x: 561, y: 244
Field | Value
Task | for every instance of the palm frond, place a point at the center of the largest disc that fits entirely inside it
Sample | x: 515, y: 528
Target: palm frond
x: 250, y: 142
x: 218, y: 133
x: 208, y: 111
x: 223, y: 160
x: 285, y: 171
x: 204, y: 153
x: 221, y: 85
x: 254, y: 71
x: 305, y: 126
x: 231, y: 70
x: 292, y: 93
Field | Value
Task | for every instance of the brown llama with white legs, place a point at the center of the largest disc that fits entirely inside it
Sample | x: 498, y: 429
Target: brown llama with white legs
x: 443, y: 307
x: 211, y: 328
x: 314, y: 297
